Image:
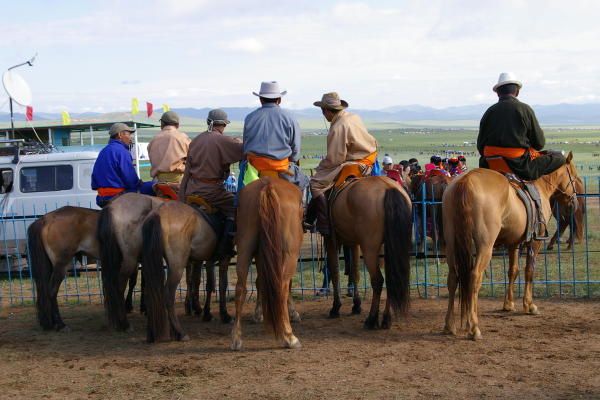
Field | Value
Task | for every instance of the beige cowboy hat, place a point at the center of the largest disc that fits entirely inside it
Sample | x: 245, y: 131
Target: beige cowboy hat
x: 331, y: 101
x: 270, y: 90
x: 506, y: 78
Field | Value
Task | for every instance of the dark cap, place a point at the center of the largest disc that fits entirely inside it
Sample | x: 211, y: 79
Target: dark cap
x: 217, y: 116
x: 170, y: 118
x: 118, y: 128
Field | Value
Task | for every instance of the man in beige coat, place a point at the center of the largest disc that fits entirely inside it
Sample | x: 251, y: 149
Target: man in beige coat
x: 348, y: 145
x: 168, y: 151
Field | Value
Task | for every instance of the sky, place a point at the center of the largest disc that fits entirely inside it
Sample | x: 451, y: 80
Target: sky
x: 97, y: 55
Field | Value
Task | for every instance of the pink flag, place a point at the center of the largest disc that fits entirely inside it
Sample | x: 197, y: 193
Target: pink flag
x: 149, y: 109
x: 29, y: 113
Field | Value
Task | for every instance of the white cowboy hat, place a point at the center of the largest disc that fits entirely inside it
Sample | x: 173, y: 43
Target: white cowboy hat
x: 269, y: 90
x: 506, y: 78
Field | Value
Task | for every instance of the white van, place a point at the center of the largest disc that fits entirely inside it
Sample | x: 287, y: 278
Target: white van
x: 37, y: 184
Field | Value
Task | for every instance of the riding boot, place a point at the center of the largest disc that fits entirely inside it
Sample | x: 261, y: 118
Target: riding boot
x: 310, y: 215
x: 225, y: 244
x: 322, y: 211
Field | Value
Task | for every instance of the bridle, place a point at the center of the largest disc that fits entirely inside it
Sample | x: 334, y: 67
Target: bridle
x: 572, y: 196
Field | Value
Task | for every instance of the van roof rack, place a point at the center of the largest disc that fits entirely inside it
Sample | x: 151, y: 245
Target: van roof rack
x: 17, y: 147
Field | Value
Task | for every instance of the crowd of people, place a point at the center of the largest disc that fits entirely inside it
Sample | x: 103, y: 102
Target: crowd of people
x: 437, y: 166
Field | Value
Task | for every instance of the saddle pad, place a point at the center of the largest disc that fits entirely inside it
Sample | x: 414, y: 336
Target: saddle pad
x: 533, y: 216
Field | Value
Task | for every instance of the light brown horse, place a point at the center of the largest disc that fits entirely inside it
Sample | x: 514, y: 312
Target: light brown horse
x: 372, y: 212
x: 178, y: 234
x: 53, y: 241
x: 269, y: 229
x: 566, y: 217
x: 481, y: 210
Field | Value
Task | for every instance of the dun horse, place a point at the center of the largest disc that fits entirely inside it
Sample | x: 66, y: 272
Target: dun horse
x: 269, y: 229
x: 481, y: 210
x: 178, y: 234
x: 372, y: 212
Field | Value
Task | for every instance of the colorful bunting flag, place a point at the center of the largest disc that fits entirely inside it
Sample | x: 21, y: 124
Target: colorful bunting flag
x: 135, y: 106
x: 29, y: 113
x: 166, y: 108
x: 149, y: 109
x: 66, y: 118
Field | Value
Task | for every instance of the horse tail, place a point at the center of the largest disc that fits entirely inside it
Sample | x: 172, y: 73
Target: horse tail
x: 41, y: 270
x: 270, y: 252
x: 153, y: 278
x: 397, y: 245
x: 111, y: 259
x: 463, y: 258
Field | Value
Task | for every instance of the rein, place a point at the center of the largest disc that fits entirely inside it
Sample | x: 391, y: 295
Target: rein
x: 573, y: 196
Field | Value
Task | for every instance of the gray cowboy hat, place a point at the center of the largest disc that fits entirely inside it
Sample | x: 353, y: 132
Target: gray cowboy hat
x: 331, y: 101
x: 270, y: 90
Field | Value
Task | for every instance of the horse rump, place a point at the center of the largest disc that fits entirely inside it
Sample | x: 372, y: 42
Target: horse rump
x: 41, y: 271
x: 397, y: 245
x: 271, y: 259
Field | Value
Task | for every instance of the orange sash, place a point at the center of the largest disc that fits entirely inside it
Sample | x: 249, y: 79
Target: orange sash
x: 109, y: 192
x: 354, y: 168
x: 509, y: 152
x: 268, y: 164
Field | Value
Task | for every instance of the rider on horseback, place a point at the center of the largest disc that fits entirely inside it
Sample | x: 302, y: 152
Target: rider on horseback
x: 208, y: 160
x: 167, y: 152
x: 348, y: 145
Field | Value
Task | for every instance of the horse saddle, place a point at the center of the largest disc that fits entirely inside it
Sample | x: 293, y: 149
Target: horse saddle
x: 212, y: 215
x: 529, y: 195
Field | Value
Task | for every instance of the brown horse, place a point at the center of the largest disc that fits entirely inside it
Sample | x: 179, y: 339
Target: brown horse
x: 481, y: 210
x: 53, y: 241
x: 269, y: 229
x: 563, y: 213
x: 372, y: 212
x: 178, y: 234
x: 429, y: 190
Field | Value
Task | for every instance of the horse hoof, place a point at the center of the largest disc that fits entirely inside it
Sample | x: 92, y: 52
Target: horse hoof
x: 258, y: 318
x: 207, y: 317
x: 371, y: 323
x: 129, y: 329
x: 386, y: 323
x: 334, y: 313
x: 294, y: 343
x: 63, y: 329
x: 236, y: 345
x: 449, y: 331
x: 295, y: 317
x: 185, y: 338
x: 356, y: 309
x: 226, y: 318
x: 475, y: 336
x: 509, y: 306
x: 533, y: 310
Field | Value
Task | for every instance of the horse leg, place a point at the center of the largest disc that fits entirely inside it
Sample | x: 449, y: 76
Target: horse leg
x: 513, y: 272
x: 223, y: 285
x: 189, y: 294
x: 356, y: 309
x: 371, y: 258
x: 173, y: 279
x: 334, y: 268
x: 449, y: 327
x: 129, y: 299
x: 210, y: 288
x: 57, y: 277
x: 482, y: 260
x: 528, y: 305
x: 290, y: 341
x: 258, y: 315
x: 294, y: 315
x: 243, y: 264
x: 142, y: 301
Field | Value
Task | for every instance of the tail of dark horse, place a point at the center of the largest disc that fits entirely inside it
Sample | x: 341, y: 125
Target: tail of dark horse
x: 463, y: 258
x: 41, y: 270
x: 111, y: 259
x: 270, y: 253
x: 153, y: 278
x: 397, y: 245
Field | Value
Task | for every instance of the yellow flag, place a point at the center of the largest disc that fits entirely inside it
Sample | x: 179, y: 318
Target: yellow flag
x: 166, y: 108
x: 66, y: 118
x: 135, y: 106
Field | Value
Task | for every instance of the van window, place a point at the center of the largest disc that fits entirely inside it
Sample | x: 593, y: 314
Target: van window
x: 49, y: 178
x: 6, y: 180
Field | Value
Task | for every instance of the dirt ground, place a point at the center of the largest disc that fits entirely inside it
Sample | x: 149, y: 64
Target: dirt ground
x: 553, y: 355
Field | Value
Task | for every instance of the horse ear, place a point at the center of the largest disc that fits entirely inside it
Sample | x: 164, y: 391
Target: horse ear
x: 569, y: 156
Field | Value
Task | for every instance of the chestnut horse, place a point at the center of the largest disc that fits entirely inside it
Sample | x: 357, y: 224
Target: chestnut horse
x: 372, y: 212
x: 178, y: 234
x: 481, y: 210
x: 269, y: 229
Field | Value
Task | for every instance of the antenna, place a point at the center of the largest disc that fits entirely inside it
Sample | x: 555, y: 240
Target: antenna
x: 17, y: 89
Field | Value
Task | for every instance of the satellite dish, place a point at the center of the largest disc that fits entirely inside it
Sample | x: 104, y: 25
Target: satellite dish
x: 17, y: 88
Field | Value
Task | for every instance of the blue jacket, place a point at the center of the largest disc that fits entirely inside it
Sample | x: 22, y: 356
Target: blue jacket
x: 114, y: 169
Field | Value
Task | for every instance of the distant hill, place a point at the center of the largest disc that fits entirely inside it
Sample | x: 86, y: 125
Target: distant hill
x: 566, y: 114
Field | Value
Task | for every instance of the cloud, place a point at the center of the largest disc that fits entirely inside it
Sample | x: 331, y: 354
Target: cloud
x: 131, y: 82
x: 248, y: 45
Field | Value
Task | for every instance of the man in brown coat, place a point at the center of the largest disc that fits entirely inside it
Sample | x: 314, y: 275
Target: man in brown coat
x: 210, y: 155
x: 348, y: 144
x: 168, y: 151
